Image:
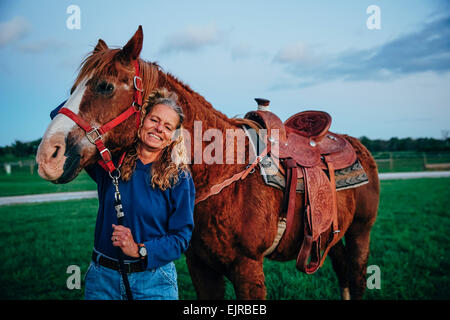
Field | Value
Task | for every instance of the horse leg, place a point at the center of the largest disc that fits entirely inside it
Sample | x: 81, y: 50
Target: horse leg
x: 340, y: 265
x: 357, y: 240
x: 247, y: 277
x: 208, y: 283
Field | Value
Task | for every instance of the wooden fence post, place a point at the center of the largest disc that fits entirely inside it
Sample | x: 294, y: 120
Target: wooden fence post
x: 425, y: 162
x: 391, y: 162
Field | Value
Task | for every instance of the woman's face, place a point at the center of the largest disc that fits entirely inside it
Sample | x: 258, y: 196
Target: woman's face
x: 159, y: 126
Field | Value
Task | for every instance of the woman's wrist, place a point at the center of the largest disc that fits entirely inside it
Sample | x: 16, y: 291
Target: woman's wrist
x: 135, y: 251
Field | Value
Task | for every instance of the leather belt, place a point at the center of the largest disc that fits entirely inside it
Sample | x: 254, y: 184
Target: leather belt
x: 131, y: 267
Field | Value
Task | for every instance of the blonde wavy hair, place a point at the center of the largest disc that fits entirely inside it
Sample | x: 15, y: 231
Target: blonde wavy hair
x: 173, y: 160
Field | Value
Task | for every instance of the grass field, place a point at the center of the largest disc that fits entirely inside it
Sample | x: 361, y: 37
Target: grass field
x: 410, y: 244
x: 22, y: 182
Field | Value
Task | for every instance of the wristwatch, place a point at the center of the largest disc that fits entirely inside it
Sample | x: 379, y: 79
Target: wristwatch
x: 142, y: 251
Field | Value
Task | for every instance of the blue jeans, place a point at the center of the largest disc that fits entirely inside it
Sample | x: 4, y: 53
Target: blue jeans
x: 102, y: 283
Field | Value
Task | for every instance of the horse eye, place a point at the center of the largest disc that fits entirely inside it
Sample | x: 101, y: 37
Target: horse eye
x: 104, y: 88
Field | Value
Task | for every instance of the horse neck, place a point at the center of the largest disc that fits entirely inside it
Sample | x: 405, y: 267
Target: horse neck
x: 196, y: 108
x: 200, y: 113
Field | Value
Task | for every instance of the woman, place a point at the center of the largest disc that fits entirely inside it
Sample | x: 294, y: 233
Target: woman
x: 157, y: 195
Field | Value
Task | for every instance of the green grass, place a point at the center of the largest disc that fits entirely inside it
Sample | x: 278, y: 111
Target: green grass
x: 410, y: 244
x: 21, y: 182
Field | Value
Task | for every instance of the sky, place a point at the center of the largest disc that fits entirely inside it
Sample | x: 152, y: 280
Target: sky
x: 383, y: 82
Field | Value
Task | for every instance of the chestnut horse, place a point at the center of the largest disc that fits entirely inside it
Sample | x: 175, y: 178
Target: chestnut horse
x: 232, y: 228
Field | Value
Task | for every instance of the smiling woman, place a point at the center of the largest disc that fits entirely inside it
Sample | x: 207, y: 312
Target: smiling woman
x: 156, y: 231
x: 159, y: 140
x: 158, y: 194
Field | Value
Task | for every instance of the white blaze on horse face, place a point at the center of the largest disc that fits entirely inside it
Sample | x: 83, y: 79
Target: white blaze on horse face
x: 51, y: 152
x: 61, y: 123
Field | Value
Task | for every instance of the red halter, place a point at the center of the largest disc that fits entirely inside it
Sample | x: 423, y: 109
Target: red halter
x: 94, y: 135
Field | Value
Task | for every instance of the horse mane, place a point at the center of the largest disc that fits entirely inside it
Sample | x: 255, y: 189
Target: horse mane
x: 107, y: 62
x: 195, y: 100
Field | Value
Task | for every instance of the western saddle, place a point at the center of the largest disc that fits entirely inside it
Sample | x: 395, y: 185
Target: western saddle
x: 306, y: 148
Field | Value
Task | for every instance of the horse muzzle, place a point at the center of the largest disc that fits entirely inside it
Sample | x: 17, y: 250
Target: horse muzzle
x: 58, y: 161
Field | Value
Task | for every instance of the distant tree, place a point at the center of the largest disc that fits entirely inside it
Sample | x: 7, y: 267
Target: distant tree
x: 366, y: 142
x: 406, y: 144
x: 393, y: 144
x: 21, y: 149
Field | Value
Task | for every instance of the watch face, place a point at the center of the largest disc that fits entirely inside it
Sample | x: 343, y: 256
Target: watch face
x: 142, y: 251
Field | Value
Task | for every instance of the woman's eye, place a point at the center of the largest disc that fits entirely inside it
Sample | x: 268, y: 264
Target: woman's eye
x: 104, y: 88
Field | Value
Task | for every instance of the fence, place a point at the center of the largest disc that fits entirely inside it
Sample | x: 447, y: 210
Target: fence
x: 386, y: 161
x: 22, y: 166
x: 412, y: 161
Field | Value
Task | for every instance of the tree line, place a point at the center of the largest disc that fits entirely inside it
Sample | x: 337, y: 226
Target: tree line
x: 21, y: 149
x: 406, y: 144
x: 26, y: 149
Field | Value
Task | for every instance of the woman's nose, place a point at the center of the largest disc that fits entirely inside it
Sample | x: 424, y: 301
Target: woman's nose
x: 159, y: 127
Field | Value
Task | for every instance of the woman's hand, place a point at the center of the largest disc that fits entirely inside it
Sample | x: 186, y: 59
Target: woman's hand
x: 122, y: 238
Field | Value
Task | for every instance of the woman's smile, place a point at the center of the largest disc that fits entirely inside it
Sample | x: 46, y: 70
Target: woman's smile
x: 158, y: 127
x: 154, y: 136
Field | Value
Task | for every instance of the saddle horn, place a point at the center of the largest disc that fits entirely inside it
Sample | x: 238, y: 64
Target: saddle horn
x: 263, y: 104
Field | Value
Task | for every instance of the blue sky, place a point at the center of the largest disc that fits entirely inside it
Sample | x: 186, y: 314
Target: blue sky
x: 391, y: 82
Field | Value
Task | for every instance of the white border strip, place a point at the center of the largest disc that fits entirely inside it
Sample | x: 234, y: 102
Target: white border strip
x: 413, y: 175
x: 48, y: 197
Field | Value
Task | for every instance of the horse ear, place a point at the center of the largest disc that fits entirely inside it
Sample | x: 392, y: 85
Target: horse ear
x: 132, y: 49
x: 101, y: 45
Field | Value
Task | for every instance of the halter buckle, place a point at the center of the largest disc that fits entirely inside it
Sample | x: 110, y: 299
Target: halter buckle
x: 135, y: 81
x: 136, y: 106
x: 93, y: 139
x: 109, y: 155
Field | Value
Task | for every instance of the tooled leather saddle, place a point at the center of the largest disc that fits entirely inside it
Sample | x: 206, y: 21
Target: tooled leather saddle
x: 305, y: 147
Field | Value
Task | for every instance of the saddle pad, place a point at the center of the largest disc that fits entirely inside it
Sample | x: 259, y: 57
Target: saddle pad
x: 350, y: 177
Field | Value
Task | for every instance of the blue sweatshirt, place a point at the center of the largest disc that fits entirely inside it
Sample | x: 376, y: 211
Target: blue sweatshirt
x: 162, y: 220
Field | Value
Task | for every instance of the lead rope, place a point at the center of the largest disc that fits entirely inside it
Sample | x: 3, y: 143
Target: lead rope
x: 120, y: 216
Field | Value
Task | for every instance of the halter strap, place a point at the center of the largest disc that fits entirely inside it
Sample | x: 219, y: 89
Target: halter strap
x: 95, y: 135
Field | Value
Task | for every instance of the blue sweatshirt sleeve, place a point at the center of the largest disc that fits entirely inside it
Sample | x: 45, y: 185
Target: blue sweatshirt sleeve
x: 170, y: 246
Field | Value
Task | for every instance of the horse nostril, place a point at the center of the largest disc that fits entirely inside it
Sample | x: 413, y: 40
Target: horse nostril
x: 55, y: 154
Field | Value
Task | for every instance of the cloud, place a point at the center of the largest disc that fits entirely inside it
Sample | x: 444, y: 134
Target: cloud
x: 12, y: 30
x: 191, y: 39
x: 426, y: 50
x: 296, y: 53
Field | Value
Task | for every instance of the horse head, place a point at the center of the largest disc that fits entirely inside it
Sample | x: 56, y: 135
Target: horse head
x: 104, y: 89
